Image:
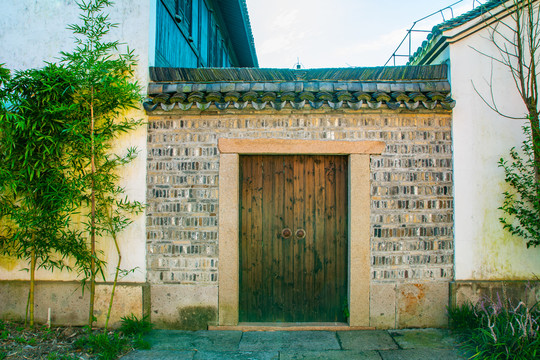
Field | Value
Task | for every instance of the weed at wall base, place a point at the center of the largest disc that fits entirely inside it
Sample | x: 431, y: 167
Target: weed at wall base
x: 497, y: 329
x: 131, y: 325
x: 106, y: 346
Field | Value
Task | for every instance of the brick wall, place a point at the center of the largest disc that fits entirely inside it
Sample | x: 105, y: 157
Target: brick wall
x: 411, y: 189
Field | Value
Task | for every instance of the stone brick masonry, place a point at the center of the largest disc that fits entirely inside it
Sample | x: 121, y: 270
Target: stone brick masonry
x: 411, y: 187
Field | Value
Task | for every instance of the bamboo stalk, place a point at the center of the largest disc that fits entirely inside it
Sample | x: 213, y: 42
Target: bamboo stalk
x: 27, y: 307
x: 93, y: 216
x: 113, y: 233
x: 32, y: 285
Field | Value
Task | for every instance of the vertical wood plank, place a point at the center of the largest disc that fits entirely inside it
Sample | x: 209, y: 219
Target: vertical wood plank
x: 288, y: 244
x: 245, y: 231
x: 309, y: 220
x: 298, y: 162
x: 256, y: 237
x: 268, y: 231
x: 247, y: 247
x: 319, y: 241
x: 330, y: 235
x: 278, y: 190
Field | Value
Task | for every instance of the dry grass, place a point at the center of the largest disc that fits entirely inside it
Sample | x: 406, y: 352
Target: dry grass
x: 56, y: 343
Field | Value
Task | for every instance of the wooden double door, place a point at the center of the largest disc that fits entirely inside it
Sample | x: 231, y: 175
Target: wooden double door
x: 293, y: 238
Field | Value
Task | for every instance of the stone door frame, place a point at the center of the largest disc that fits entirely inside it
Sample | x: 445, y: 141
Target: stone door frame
x: 359, y: 216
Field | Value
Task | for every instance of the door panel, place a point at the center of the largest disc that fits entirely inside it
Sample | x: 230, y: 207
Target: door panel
x: 293, y: 278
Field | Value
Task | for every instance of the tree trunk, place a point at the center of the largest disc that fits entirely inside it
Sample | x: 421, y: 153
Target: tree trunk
x: 535, y: 135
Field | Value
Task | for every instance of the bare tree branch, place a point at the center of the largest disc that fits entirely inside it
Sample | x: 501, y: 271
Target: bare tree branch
x: 493, y: 104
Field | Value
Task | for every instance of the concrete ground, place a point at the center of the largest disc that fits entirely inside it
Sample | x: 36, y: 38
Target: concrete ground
x: 421, y: 344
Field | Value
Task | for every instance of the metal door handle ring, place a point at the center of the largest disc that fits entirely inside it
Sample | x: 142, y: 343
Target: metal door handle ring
x: 300, y: 233
x: 286, y: 233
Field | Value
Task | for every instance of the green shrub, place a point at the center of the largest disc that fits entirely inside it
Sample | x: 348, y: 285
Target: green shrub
x: 463, y: 318
x: 131, y: 325
x: 521, y: 205
x: 497, y: 329
x: 105, y: 346
x: 140, y: 343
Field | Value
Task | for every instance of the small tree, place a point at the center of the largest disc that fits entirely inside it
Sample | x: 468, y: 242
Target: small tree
x: 38, y: 192
x: 518, y: 43
x: 523, y: 203
x: 105, y: 90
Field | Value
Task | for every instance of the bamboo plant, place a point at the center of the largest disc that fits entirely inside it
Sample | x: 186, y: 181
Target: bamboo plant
x: 105, y: 91
x: 38, y: 190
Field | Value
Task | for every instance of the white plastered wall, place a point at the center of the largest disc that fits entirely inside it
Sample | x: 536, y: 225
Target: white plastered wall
x: 34, y: 31
x: 483, y: 250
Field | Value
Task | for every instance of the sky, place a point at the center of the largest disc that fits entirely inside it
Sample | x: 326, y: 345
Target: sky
x: 341, y: 33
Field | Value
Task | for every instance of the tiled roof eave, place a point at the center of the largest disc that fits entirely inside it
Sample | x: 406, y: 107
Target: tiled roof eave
x: 409, y: 95
x: 407, y: 87
x: 445, y: 105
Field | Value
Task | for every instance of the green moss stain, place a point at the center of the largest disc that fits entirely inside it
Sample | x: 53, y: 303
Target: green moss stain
x: 495, y: 244
x: 502, y: 255
x: 8, y: 263
x: 11, y: 316
x: 196, y: 317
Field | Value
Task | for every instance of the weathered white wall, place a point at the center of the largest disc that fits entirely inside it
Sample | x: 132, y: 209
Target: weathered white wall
x: 483, y: 250
x: 34, y: 31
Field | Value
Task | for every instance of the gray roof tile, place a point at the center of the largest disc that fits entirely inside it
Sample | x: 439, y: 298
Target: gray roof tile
x: 271, y: 87
x: 436, y: 32
x: 288, y: 86
x: 384, y: 87
x: 228, y: 86
x: 257, y: 86
x: 424, y: 87
x: 242, y: 87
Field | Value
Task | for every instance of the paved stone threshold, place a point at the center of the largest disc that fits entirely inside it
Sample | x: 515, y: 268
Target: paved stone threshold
x: 289, y: 327
x: 413, y: 344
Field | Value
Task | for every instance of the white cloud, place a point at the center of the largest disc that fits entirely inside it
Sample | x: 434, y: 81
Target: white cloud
x: 339, y: 33
x: 286, y: 20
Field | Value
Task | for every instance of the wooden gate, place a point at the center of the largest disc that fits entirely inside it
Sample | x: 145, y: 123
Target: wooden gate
x: 293, y: 238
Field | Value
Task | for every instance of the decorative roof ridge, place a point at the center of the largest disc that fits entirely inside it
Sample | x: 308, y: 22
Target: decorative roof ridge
x: 331, y: 87
x: 359, y: 74
x: 436, y: 34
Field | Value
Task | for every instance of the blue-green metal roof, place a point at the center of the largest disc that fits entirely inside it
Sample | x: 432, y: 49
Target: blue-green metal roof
x: 236, y: 18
